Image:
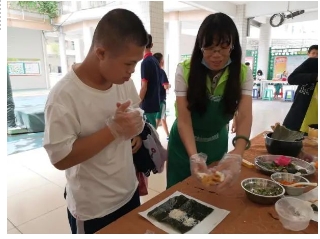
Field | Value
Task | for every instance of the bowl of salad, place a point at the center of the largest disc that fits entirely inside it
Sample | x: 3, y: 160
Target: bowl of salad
x: 262, y: 191
x: 270, y: 164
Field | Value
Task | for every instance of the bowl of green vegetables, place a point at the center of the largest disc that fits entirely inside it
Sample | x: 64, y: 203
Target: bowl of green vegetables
x: 262, y: 191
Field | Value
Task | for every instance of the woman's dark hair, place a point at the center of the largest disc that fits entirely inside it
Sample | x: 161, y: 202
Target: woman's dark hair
x: 259, y: 73
x: 221, y: 28
x: 158, y: 56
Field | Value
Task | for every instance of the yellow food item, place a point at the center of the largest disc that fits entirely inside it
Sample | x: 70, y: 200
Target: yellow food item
x: 212, y: 179
x: 247, y: 164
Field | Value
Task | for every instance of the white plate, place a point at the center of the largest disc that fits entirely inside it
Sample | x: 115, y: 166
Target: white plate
x: 204, y: 227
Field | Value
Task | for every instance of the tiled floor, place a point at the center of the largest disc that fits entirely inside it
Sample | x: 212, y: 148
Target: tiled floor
x: 35, y: 188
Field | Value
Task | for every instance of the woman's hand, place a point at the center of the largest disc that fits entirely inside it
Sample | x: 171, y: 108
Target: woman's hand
x: 230, y: 166
x: 234, y: 127
x: 136, y: 144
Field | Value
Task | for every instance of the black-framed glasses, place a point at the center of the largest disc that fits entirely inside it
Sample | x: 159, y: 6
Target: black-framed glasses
x: 209, y: 51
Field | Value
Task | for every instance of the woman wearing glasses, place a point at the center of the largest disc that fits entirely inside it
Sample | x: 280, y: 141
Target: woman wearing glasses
x: 210, y: 88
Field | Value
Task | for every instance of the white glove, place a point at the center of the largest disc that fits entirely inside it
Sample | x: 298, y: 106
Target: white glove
x: 198, y: 164
x: 127, y: 122
x: 230, y: 166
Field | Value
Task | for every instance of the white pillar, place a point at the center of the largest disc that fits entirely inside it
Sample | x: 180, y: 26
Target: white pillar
x: 241, y: 23
x: 63, y: 55
x: 174, y: 33
x: 263, y: 50
x: 166, y: 47
x: 87, y: 33
x: 74, y: 6
x: 152, y: 16
x: 78, y: 47
x: 85, y: 4
x: 46, y: 65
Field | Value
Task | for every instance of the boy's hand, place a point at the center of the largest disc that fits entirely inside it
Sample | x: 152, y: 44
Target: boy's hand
x: 136, y: 144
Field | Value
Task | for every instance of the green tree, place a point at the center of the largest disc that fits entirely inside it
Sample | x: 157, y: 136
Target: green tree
x: 48, y: 8
x: 11, y: 119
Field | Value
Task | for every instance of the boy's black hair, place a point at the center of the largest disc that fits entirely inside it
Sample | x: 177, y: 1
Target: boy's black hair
x: 118, y: 28
x: 158, y: 56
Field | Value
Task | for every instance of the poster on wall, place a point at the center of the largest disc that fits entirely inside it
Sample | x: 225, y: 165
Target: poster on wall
x: 185, y: 57
x: 24, y: 67
x: 252, y: 58
x: 287, y: 59
x: 280, y: 66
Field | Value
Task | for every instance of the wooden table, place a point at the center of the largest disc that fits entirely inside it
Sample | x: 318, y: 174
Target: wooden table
x: 244, y: 217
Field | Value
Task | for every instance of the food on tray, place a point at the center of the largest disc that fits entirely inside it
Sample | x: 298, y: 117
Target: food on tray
x: 315, y: 164
x: 211, y: 179
x: 180, y: 213
x: 282, y: 164
x: 264, y: 191
x: 247, y: 164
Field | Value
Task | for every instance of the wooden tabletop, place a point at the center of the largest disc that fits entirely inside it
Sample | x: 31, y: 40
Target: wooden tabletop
x: 244, y: 217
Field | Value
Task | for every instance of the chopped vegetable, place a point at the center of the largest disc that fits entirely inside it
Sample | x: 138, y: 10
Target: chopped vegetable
x: 290, y: 168
x: 270, y: 191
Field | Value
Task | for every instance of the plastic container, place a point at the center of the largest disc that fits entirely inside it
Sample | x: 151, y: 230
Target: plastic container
x: 294, y: 214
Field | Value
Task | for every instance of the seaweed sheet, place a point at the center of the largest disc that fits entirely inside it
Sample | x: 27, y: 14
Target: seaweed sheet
x: 192, y: 208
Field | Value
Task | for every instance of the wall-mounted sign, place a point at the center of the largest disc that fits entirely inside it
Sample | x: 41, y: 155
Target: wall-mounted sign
x: 285, y: 60
x: 185, y: 57
x: 252, y: 58
x: 24, y: 67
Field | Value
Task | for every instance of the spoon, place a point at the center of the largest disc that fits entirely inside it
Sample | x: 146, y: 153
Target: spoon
x: 303, y: 184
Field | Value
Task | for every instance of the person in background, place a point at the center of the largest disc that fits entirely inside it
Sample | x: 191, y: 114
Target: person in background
x: 210, y: 88
x: 161, y: 116
x: 278, y: 87
x: 259, y: 78
x: 313, y: 51
x: 306, y: 77
x: 91, y: 115
x: 150, y: 85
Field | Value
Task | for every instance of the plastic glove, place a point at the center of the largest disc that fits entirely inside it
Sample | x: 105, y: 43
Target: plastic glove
x: 230, y: 166
x: 127, y: 122
x: 198, y: 164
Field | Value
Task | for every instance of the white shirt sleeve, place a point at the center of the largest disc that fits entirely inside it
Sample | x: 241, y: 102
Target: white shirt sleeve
x: 133, y: 94
x: 180, y: 85
x: 61, y: 130
x: 248, y: 84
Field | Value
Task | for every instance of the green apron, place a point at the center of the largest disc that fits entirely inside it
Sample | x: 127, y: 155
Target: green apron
x: 210, y: 131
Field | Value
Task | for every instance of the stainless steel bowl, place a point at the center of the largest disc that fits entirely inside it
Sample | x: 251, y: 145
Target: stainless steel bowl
x: 249, y: 185
x: 292, y: 191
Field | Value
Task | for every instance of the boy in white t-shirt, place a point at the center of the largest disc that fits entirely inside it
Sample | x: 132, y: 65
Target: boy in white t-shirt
x: 90, y: 124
